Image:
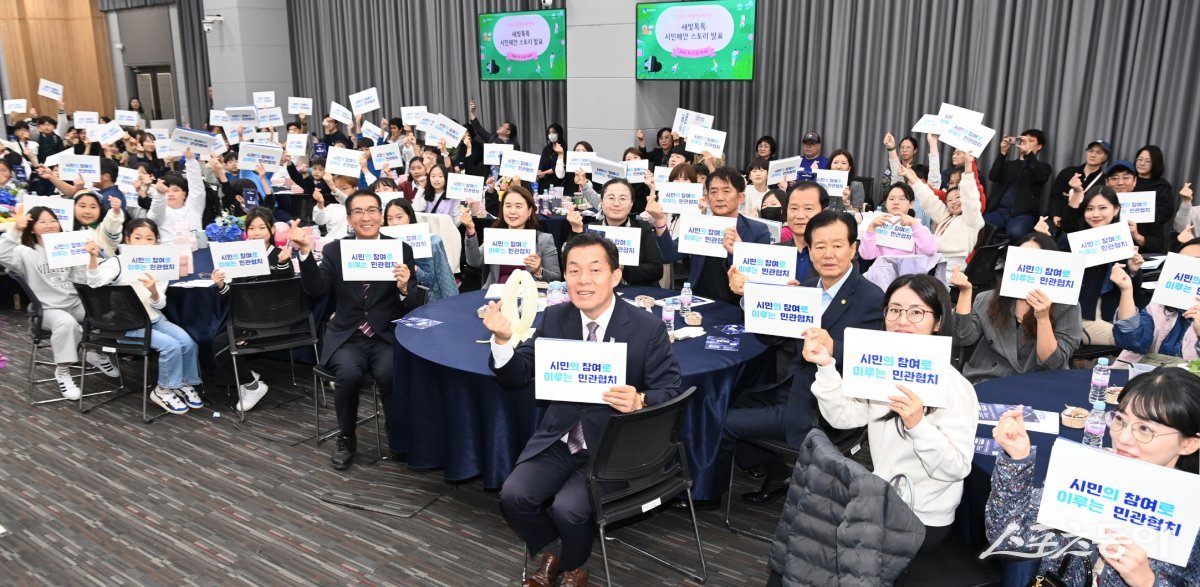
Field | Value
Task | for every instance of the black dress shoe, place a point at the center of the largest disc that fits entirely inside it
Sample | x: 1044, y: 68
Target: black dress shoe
x: 772, y: 490
x: 680, y: 504
x: 757, y: 471
x: 343, y: 453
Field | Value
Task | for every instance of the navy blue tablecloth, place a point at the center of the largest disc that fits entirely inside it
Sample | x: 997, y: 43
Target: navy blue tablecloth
x: 199, y: 310
x: 448, y: 412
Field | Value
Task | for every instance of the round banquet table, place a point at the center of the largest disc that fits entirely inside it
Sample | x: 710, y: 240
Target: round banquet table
x: 449, y: 412
x: 1049, y: 391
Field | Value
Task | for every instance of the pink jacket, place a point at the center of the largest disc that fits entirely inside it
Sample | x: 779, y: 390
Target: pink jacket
x: 923, y: 241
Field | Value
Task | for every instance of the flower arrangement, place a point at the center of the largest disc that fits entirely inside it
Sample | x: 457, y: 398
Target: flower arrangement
x: 8, y: 204
x: 225, y: 229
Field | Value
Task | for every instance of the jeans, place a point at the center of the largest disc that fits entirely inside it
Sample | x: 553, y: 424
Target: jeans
x: 177, y: 354
x: 1015, y: 226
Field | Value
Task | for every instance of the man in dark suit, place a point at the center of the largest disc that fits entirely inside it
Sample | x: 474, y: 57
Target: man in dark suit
x: 360, y: 337
x: 788, y: 412
x: 724, y: 191
x: 554, y: 462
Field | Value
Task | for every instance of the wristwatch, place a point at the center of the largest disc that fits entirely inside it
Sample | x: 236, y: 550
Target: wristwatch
x: 643, y: 396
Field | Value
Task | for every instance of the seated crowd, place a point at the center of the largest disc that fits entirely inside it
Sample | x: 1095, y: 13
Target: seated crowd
x: 949, y: 213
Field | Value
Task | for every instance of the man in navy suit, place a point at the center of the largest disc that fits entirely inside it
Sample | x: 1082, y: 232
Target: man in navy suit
x: 554, y: 462
x: 724, y: 191
x: 360, y: 337
x: 788, y: 413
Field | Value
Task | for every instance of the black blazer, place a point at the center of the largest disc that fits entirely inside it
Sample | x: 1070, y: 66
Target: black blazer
x: 858, y: 304
x: 383, y: 304
x: 651, y: 368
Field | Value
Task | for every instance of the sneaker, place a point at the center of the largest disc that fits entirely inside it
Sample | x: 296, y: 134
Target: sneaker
x: 343, y: 453
x: 167, y: 400
x: 102, y: 363
x: 189, y: 396
x: 66, y: 385
x: 251, y: 393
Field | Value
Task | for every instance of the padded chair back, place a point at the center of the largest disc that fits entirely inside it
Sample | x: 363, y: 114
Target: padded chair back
x: 112, y: 309
x: 34, y: 308
x: 868, y: 184
x: 984, y: 266
x: 639, y: 445
x: 268, y: 305
x: 985, y: 236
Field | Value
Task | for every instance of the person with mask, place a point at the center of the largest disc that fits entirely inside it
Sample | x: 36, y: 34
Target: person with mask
x: 551, y: 166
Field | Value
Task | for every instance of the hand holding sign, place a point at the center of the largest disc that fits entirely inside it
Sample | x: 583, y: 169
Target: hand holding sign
x: 908, y: 406
x: 1127, y: 558
x: 624, y: 398
x: 1010, y: 433
x: 402, y: 276
x: 151, y: 285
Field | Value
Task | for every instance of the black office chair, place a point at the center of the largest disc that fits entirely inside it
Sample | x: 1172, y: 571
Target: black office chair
x: 110, y: 312
x: 39, y: 338
x: 985, y: 265
x: 868, y: 184
x: 267, y: 316
x: 1091, y: 352
x: 781, y: 449
x: 642, y: 449
x: 324, y: 376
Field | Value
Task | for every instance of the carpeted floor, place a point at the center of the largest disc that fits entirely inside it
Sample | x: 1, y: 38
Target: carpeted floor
x: 103, y: 499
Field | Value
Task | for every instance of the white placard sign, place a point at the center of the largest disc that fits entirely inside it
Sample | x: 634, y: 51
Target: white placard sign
x: 126, y: 117
x: 493, y: 153
x: 66, y: 249
x: 73, y: 166
x: 875, y: 361
x: 86, y: 119
x: 950, y: 113
x: 1057, y: 274
x: 340, y: 113
x: 242, y: 116
x: 679, y: 197
x: 704, y: 235
x: 160, y: 261
x: 627, y: 238
x: 1088, y: 491
x: 297, y: 105
x: 342, y: 161
x: 412, y: 114
x: 371, y: 260
x: 505, y: 246
x: 784, y: 169
x: 685, y: 119
x: 635, y: 170
x: 781, y: 310
x: 577, y: 371
x: 416, y: 235
x: 107, y: 133
x: 702, y: 139
x: 232, y: 135
x: 125, y: 181
x: 1137, y: 207
x: 215, y: 118
x: 662, y: 175
x: 372, y: 131
x: 460, y: 186
x: 579, y: 161
x: 445, y: 128
x: 425, y: 120
x: 895, y: 236
x: 760, y: 263
x: 264, y: 100
x: 50, y: 89
x: 297, y: 145
x: 63, y: 208
x: 388, y: 154
x: 972, y: 138
x: 18, y: 105
x: 929, y: 124
x: 1178, y: 282
x: 162, y: 142
x: 1105, y: 244
x: 604, y: 170
x: 240, y: 258
x: 364, y: 101
x: 182, y: 139
x: 270, y: 117
x: 253, y: 154
x: 833, y: 181
x: 520, y: 164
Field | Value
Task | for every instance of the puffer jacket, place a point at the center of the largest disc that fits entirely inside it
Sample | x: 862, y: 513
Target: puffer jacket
x: 841, y: 524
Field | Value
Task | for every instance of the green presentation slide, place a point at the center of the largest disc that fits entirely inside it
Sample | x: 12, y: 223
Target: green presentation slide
x: 523, y: 45
x: 696, y: 40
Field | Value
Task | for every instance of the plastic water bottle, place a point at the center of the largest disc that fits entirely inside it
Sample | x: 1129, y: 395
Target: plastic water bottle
x: 534, y: 185
x: 1093, y: 428
x: 1099, y: 381
x: 685, y: 297
x: 668, y: 316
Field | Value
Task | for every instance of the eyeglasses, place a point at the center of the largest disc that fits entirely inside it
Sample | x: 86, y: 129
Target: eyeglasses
x: 1143, y: 160
x: 372, y: 211
x: 914, y: 315
x: 1141, y: 432
x: 618, y: 199
x: 46, y: 222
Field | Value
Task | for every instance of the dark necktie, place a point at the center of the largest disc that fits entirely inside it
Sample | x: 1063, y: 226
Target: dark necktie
x: 575, y: 437
x: 365, y: 327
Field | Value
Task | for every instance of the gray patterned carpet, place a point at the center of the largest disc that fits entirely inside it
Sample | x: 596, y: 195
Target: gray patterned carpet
x: 103, y: 499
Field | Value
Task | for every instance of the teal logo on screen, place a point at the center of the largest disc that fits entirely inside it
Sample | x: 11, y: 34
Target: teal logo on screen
x: 523, y: 45
x: 696, y: 40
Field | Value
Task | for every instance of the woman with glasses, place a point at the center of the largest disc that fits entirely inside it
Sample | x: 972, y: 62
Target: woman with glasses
x: 615, y: 206
x: 1157, y: 421
x: 1150, y: 166
x: 1014, y: 335
x: 931, y: 448
x: 517, y: 211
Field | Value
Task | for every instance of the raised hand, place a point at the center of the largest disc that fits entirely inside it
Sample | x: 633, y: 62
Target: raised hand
x: 959, y: 280
x: 301, y: 237
x: 1042, y: 226
x: 737, y: 281
x: 1010, y: 433
x: 889, y: 141
x: 818, y: 347
x: 402, y: 275
x: 497, y: 323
